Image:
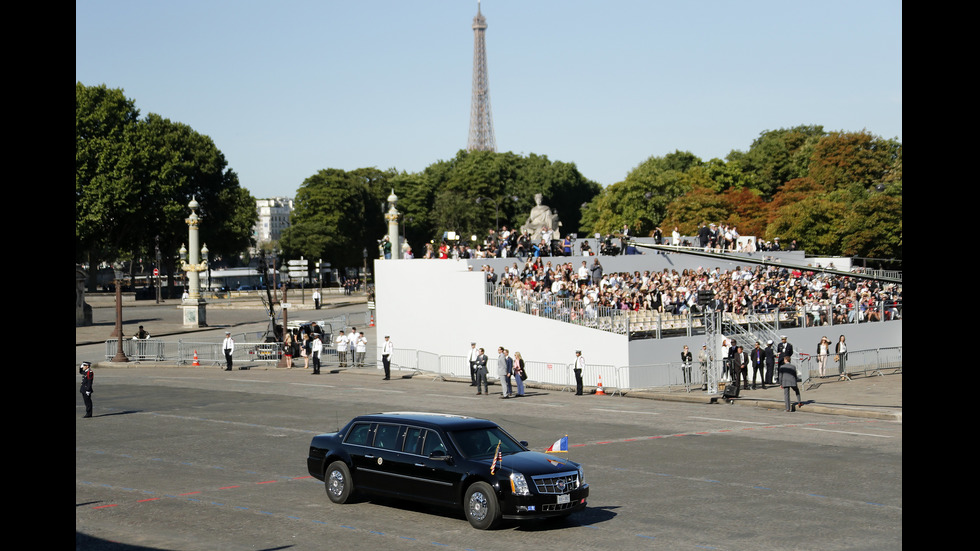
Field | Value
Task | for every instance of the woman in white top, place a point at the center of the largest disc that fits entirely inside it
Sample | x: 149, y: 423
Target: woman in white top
x: 823, y: 349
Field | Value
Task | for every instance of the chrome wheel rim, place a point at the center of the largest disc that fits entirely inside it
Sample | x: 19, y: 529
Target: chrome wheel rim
x: 336, y: 483
x: 478, y: 506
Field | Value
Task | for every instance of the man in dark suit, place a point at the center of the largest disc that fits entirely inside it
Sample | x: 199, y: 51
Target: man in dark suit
x: 770, y: 364
x: 758, y: 365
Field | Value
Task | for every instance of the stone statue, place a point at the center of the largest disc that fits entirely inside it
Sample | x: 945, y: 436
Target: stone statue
x: 540, y: 220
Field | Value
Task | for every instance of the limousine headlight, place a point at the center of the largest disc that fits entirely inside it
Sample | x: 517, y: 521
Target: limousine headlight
x: 518, y: 484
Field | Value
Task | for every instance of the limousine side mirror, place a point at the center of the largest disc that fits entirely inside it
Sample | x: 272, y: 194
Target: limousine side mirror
x: 441, y: 455
x: 524, y: 444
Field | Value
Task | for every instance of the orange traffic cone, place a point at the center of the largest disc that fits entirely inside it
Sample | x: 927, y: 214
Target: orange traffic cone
x: 372, y: 320
x: 598, y: 390
x: 197, y: 363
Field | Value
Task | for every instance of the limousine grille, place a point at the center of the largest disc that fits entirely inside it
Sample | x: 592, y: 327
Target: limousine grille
x: 551, y: 507
x: 556, y: 484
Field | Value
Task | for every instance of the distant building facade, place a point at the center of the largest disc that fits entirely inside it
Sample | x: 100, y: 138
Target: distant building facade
x: 273, y: 218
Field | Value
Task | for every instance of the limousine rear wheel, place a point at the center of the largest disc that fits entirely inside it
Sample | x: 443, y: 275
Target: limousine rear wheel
x: 338, y: 482
x: 481, y: 507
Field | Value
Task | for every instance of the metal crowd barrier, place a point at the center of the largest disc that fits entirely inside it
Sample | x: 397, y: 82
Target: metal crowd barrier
x: 615, y: 379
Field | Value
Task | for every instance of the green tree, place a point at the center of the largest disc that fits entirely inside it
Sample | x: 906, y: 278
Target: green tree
x: 858, y: 160
x: 134, y: 179
x: 176, y: 165
x: 335, y: 218
x: 452, y: 188
x: 642, y: 199
x: 106, y: 199
x: 778, y: 156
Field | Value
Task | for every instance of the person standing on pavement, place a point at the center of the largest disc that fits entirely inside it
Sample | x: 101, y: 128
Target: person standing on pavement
x: 758, y: 365
x: 473, y: 354
x: 502, y: 371
x: 341, y: 342
x: 386, y: 351
x: 306, y: 347
x: 785, y: 351
x: 361, y: 349
x: 228, y: 345
x: 840, y: 349
x: 579, y: 367
x: 823, y: 350
x: 788, y: 380
x: 519, y: 373
x: 510, y: 372
x: 288, y: 343
x: 743, y: 362
x: 352, y: 345
x: 316, y: 350
x: 88, y: 378
x: 686, y: 360
x: 770, y: 364
x: 316, y: 298
x: 481, y: 374
x: 703, y: 360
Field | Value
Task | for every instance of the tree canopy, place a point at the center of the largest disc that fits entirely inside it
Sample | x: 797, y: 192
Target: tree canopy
x: 835, y: 193
x: 338, y: 212
x: 135, y: 177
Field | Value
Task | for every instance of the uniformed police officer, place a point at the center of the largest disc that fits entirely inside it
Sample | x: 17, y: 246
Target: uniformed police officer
x: 88, y: 377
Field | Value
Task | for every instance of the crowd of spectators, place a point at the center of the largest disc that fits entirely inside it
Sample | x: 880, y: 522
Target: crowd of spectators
x: 515, y: 244
x: 824, y: 298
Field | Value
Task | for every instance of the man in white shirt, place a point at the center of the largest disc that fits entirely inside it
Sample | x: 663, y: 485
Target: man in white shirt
x: 579, y: 367
x: 473, y: 355
x: 386, y: 352
x: 229, y: 348
x: 341, y: 342
x: 315, y: 351
x: 316, y: 298
x: 360, y: 349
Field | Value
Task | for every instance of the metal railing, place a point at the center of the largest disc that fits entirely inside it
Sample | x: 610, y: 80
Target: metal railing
x: 656, y: 324
x: 556, y: 308
x: 615, y: 379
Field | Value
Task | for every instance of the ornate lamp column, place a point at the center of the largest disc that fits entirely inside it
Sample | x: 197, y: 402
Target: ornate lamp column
x: 392, y: 217
x: 118, y: 269
x: 194, y: 306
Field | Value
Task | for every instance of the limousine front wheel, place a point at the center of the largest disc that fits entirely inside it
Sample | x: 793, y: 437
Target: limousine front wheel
x: 338, y: 482
x: 481, y: 506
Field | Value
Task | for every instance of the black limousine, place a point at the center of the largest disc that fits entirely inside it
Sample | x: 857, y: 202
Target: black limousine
x: 446, y: 460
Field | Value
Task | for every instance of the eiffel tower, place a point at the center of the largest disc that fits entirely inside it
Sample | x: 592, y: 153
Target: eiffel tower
x: 481, y: 120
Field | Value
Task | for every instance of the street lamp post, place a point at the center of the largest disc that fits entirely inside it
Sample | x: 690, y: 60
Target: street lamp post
x: 118, y: 269
x: 194, y: 306
x: 159, y: 273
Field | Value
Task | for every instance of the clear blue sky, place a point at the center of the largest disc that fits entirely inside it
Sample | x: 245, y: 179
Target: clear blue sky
x: 285, y: 88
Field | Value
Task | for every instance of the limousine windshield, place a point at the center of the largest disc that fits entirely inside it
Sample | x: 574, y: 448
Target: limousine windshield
x: 482, y: 443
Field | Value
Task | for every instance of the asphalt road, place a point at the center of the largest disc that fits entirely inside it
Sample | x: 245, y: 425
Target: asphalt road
x: 203, y: 459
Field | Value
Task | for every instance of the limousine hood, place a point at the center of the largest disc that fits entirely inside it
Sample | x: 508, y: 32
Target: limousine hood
x: 534, y: 463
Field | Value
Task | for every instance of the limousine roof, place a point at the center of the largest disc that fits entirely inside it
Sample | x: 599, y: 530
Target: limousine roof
x: 445, y: 420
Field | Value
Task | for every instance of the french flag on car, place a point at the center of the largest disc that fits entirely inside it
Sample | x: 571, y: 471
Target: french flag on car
x: 560, y: 445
